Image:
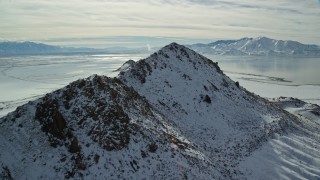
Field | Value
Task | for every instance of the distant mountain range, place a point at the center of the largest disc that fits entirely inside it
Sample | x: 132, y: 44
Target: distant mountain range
x: 261, y: 46
x: 8, y: 48
x: 20, y: 48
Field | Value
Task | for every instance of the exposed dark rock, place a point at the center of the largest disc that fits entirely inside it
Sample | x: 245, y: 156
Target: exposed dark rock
x: 142, y: 70
x: 53, y: 122
x: 74, y: 146
x: 153, y: 147
x: 114, y: 133
x: 6, y: 174
x: 237, y: 84
x: 207, y: 99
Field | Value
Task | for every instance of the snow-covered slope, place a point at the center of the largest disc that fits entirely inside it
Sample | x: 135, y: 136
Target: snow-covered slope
x: 294, y: 155
x: 261, y: 46
x: 125, y: 66
x: 299, y: 108
x: 173, y: 115
x: 227, y: 122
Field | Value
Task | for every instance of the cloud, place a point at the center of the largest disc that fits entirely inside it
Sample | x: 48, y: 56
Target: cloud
x: 197, y: 19
x: 148, y: 47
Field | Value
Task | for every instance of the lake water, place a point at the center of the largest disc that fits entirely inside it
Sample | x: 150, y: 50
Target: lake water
x: 293, y: 70
x: 24, y: 78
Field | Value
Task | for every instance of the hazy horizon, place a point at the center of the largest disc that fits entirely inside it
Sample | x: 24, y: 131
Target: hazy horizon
x: 157, y: 42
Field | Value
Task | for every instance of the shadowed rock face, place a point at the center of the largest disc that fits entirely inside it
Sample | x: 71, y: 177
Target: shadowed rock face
x: 52, y: 121
x: 112, y: 131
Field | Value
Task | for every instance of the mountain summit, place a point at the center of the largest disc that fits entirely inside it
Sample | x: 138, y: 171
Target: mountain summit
x: 173, y: 115
x: 260, y: 46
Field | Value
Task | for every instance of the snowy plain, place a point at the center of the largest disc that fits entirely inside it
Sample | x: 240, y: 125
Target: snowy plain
x: 25, y: 78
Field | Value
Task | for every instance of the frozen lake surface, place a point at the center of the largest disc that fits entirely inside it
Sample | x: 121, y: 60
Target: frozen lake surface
x: 293, y: 70
x: 24, y: 78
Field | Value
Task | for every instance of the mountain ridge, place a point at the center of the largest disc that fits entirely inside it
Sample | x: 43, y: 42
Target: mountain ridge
x: 260, y: 46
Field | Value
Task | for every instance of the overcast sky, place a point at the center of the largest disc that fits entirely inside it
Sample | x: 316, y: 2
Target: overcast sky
x: 104, y: 23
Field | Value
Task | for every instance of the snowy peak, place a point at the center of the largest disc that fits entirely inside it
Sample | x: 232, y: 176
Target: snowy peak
x: 181, y: 53
x: 169, y: 57
x: 207, y: 106
x: 261, y: 46
x: 173, y: 51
